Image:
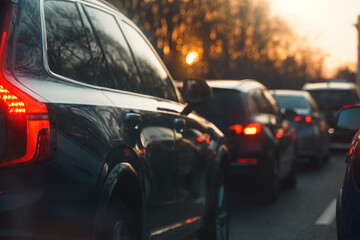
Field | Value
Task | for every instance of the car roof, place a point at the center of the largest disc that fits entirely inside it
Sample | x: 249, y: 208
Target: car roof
x: 329, y: 86
x: 288, y: 92
x: 243, y: 85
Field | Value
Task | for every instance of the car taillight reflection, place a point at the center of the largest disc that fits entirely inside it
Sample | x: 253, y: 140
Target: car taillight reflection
x: 250, y: 129
x: 237, y: 128
x: 247, y: 160
x: 306, y: 119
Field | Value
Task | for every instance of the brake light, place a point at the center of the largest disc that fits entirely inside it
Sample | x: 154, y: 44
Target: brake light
x: 28, y: 127
x: 279, y: 135
x: 237, y: 128
x: 252, y: 129
x: 307, y: 119
x: 247, y: 160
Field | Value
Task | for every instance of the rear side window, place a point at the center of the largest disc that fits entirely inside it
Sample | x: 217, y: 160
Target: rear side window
x: 262, y: 103
x: 116, y: 66
x: 155, y: 79
x: 2, y: 14
x: 227, y: 103
x: 68, y: 47
x: 28, y: 58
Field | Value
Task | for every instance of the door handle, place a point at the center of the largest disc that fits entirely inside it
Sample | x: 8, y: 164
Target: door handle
x: 133, y: 120
x: 179, y: 124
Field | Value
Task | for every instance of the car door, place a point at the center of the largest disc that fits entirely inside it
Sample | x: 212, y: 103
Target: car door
x: 146, y: 127
x: 157, y: 84
x: 284, y: 134
x: 270, y: 119
x: 192, y: 144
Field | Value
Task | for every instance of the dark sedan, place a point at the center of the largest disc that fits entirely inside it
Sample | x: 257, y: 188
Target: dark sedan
x: 311, y: 128
x: 331, y: 97
x: 261, y: 141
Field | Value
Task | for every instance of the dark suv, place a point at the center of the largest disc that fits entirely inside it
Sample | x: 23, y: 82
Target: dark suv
x: 95, y: 141
x: 331, y: 97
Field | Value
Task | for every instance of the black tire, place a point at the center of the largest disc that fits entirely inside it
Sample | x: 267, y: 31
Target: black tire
x: 117, y: 224
x: 217, y: 223
x: 326, y: 158
x: 272, y: 185
x: 317, y: 162
x: 291, y: 180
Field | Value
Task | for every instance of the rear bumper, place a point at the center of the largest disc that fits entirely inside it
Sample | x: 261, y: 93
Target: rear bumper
x: 308, y: 142
x: 39, y: 202
x: 340, y: 136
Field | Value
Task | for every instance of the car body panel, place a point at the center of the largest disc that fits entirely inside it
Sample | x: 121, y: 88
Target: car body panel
x: 101, y: 137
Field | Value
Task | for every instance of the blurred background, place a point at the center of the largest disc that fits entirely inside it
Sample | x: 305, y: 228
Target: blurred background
x: 280, y: 43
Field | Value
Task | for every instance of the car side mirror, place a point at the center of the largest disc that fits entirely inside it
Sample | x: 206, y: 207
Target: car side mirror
x: 349, y: 118
x: 195, y: 92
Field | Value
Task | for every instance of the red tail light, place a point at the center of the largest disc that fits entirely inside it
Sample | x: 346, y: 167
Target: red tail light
x: 252, y: 129
x: 279, y: 135
x: 307, y: 119
x: 28, y: 127
x: 236, y: 128
x: 298, y: 119
x: 247, y: 160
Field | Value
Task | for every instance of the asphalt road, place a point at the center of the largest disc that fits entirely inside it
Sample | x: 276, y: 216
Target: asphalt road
x: 304, y: 213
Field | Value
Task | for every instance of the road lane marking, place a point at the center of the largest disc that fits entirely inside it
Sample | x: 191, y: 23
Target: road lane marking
x: 328, y: 216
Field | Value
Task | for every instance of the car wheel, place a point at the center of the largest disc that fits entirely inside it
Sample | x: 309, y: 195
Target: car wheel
x: 326, y: 158
x: 291, y: 180
x: 117, y: 223
x: 317, y: 161
x: 272, y: 185
x: 217, y: 223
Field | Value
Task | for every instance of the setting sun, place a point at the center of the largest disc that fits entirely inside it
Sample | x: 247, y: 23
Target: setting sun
x: 192, y: 57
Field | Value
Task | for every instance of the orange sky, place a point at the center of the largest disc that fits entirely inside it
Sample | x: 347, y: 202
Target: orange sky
x: 329, y: 24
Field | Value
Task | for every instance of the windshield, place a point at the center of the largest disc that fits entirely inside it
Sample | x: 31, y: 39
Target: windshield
x: 291, y: 102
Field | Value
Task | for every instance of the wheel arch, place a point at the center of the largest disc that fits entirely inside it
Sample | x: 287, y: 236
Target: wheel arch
x: 121, y: 180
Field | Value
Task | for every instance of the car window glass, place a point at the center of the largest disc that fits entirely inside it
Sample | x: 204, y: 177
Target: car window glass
x: 28, y: 57
x: 252, y: 104
x: 227, y: 103
x: 292, y: 101
x: 313, y: 104
x: 116, y: 67
x: 156, y: 81
x: 274, y: 107
x: 68, y: 49
x: 262, y: 103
